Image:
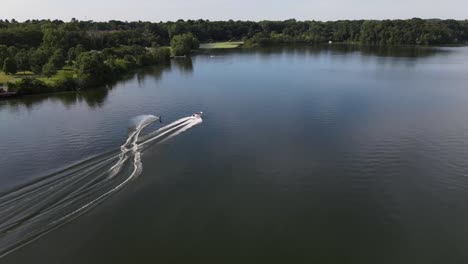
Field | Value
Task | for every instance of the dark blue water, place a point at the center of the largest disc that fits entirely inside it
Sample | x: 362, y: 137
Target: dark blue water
x: 306, y: 154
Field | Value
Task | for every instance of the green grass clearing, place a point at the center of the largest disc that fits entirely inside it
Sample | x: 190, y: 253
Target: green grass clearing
x: 222, y: 45
x: 64, y: 73
x: 4, y: 78
x: 60, y: 75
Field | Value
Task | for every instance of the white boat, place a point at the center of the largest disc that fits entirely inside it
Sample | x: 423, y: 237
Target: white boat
x: 197, y: 115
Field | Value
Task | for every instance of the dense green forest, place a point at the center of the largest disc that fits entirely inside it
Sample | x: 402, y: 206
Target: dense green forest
x: 78, y: 54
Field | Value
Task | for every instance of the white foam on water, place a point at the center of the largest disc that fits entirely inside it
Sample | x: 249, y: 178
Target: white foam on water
x: 139, y: 123
x: 193, y: 122
x: 34, y: 210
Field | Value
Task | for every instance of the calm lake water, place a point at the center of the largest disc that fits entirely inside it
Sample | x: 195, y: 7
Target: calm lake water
x: 308, y: 154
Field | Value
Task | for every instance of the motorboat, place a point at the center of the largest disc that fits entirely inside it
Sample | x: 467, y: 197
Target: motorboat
x: 197, y: 114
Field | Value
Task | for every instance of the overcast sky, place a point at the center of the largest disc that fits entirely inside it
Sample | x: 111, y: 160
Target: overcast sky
x: 163, y: 10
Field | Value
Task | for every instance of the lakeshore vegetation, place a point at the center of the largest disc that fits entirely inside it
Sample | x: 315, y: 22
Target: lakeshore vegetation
x: 38, y: 56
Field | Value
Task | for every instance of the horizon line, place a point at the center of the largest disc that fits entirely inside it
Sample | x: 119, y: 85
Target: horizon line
x: 226, y: 20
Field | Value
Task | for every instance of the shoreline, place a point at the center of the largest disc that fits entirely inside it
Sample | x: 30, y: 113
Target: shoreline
x: 213, y: 46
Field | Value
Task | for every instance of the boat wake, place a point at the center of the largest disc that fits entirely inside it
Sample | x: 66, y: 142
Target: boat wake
x: 31, y: 211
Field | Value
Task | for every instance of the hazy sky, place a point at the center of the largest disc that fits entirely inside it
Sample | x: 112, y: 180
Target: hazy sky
x: 163, y: 10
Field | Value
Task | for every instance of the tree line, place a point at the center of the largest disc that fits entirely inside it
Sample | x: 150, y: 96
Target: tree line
x: 100, y: 35
x: 96, y: 51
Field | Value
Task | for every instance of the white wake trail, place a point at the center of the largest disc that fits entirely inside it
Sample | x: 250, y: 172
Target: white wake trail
x: 185, y: 124
x: 175, y: 126
x: 34, y: 210
x: 140, y: 123
x: 192, y: 123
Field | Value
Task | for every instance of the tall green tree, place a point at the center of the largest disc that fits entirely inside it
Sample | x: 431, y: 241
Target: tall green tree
x: 9, y: 66
x: 49, y: 69
x: 71, y: 55
x: 3, y: 53
x: 58, y: 58
x: 53, y: 37
x: 12, y: 50
x: 91, y: 69
x: 181, y: 45
x: 38, y: 59
x: 22, y: 59
x: 79, y: 49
